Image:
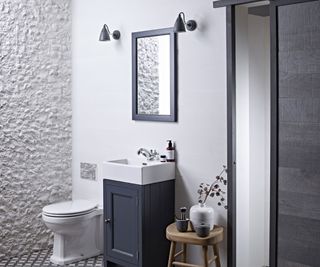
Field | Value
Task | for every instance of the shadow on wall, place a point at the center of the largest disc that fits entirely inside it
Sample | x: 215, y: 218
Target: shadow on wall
x: 194, y: 252
x: 35, y: 121
x: 187, y: 200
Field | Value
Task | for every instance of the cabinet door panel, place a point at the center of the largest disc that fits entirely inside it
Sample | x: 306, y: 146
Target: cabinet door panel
x: 122, y: 231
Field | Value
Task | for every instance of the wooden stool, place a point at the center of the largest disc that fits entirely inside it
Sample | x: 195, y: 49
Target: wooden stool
x: 191, y: 238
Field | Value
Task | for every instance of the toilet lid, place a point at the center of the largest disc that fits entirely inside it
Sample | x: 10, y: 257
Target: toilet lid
x: 66, y: 208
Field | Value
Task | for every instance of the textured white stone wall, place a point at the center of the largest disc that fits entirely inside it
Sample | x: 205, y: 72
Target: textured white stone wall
x: 35, y: 118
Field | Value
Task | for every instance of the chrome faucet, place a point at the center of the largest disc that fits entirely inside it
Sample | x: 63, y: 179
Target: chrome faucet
x: 150, y: 155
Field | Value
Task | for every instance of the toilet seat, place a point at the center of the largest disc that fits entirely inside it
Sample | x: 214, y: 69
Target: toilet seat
x: 73, y: 208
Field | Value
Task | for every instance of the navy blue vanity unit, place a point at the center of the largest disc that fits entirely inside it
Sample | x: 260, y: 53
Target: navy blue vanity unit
x: 135, y: 219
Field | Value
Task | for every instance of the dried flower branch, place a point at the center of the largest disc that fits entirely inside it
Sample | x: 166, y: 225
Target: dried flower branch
x: 214, y: 190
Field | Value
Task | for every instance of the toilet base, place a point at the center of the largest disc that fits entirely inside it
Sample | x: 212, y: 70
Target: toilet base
x: 68, y: 249
x: 76, y: 238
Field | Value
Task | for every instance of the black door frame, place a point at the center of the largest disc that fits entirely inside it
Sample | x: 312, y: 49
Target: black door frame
x: 273, y: 244
x: 231, y: 136
x: 231, y: 124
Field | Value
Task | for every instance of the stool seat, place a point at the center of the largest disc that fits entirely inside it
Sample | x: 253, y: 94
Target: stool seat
x: 190, y: 238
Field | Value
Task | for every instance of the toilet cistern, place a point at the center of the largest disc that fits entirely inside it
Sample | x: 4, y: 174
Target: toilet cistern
x: 149, y: 155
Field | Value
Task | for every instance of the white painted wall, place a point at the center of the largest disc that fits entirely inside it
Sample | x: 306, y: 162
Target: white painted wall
x: 242, y: 138
x: 102, y: 125
x: 259, y: 128
x: 253, y: 138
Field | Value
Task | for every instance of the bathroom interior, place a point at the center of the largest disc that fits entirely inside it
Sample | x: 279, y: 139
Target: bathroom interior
x: 83, y: 180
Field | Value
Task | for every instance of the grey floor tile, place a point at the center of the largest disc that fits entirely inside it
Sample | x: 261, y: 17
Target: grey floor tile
x: 42, y: 259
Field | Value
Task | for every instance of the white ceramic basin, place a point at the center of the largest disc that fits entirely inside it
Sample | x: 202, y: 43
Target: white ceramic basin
x: 136, y: 171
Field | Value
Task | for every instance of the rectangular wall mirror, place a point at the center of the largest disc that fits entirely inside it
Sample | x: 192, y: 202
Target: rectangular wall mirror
x: 154, y: 75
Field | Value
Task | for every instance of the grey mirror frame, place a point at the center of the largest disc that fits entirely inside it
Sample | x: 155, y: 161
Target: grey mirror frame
x: 173, y: 76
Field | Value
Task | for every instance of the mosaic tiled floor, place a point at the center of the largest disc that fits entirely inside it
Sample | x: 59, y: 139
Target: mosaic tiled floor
x: 42, y: 259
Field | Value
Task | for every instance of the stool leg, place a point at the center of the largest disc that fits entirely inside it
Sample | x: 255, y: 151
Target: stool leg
x: 205, y: 256
x: 216, y: 253
x: 184, y: 255
x: 171, y: 254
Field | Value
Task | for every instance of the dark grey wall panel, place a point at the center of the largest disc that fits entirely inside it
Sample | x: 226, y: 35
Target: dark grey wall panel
x: 300, y: 205
x: 291, y: 84
x: 298, y: 19
x: 305, y: 229
x: 298, y: 251
x: 291, y: 180
x: 296, y: 110
x: 300, y: 41
x: 286, y: 263
x: 305, y: 133
x: 297, y: 61
x: 299, y: 135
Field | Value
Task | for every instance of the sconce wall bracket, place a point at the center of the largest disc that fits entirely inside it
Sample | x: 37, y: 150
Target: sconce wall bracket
x: 116, y: 35
x: 191, y: 25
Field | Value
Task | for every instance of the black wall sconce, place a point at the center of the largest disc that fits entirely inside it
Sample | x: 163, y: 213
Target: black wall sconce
x: 105, y: 34
x: 181, y: 24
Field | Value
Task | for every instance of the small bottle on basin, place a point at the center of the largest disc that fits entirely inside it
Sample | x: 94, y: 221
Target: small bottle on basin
x: 163, y: 158
x: 170, y: 152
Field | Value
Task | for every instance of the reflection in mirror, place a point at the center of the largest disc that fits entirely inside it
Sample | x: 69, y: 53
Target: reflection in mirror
x: 252, y: 137
x: 154, y: 75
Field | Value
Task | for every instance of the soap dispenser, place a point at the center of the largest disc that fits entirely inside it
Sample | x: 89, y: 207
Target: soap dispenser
x: 170, y: 152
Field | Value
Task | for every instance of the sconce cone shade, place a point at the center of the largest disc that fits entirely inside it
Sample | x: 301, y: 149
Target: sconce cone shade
x: 104, y: 35
x: 179, y: 25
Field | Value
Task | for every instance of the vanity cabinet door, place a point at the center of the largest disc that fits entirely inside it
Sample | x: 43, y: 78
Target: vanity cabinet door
x: 122, y: 211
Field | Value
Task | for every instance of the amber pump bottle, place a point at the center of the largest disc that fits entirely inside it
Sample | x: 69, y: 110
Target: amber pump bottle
x: 170, y: 152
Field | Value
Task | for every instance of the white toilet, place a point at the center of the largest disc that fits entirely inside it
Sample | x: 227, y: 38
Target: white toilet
x: 78, y: 230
